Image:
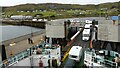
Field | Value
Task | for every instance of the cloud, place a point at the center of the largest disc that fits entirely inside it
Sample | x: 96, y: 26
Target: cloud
x: 16, y: 2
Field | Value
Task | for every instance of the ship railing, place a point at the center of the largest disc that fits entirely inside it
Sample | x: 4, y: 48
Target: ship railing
x: 20, y: 56
x: 1, y: 63
x: 102, y: 61
x: 109, y: 63
x: 105, y: 62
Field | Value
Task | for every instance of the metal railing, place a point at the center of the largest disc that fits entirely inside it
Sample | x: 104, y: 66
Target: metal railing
x: 102, y: 61
x: 109, y: 63
x: 16, y: 58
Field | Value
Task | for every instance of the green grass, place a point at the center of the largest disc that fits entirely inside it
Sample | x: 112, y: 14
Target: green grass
x: 64, y: 14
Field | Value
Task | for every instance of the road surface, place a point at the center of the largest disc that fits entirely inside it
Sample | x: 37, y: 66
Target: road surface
x: 79, y: 42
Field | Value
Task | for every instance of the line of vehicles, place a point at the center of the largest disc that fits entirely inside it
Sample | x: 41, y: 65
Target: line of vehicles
x: 94, y: 58
x: 76, y: 51
x: 87, y: 30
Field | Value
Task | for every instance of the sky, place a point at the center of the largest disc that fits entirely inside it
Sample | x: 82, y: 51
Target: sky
x: 82, y: 2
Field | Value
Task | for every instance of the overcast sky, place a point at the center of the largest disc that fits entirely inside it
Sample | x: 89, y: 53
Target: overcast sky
x: 82, y: 2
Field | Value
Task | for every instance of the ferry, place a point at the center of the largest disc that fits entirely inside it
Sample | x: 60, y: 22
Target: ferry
x: 101, y: 58
x: 41, y: 55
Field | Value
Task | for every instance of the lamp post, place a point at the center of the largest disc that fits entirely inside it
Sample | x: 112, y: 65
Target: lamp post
x: 11, y: 48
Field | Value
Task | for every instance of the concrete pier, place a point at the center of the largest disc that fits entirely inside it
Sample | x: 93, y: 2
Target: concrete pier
x: 18, y: 39
x: 21, y: 43
x: 39, y: 24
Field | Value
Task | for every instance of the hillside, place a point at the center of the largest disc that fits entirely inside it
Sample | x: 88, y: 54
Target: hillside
x: 57, y: 7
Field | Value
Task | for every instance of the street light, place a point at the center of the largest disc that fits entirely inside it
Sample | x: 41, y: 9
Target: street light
x: 11, y: 45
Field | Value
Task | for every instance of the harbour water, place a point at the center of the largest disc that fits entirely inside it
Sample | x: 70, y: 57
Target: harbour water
x: 12, y: 31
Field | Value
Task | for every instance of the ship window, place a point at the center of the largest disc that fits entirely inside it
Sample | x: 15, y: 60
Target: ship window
x: 86, y: 35
x: 73, y: 56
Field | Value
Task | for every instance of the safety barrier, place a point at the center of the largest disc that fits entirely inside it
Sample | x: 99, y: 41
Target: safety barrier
x: 92, y: 58
x: 110, y: 63
x: 22, y: 55
x: 66, y: 54
x: 75, y: 35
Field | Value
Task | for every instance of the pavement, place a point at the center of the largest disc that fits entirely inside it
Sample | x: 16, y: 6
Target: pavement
x: 18, y: 47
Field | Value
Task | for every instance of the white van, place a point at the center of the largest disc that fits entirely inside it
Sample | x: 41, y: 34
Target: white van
x: 86, y: 34
x: 75, y: 53
x: 87, y: 26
